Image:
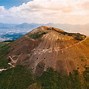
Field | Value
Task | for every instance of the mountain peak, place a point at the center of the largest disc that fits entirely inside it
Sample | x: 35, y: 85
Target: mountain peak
x: 47, y: 28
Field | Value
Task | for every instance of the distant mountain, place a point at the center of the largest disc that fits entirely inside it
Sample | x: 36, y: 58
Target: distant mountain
x: 6, y: 26
x: 26, y: 27
x: 18, y: 26
x: 11, y: 36
x: 14, y: 31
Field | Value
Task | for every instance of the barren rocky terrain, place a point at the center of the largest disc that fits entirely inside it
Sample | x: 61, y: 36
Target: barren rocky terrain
x: 48, y: 47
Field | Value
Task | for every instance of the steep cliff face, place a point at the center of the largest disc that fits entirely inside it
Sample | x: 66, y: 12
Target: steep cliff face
x: 48, y: 47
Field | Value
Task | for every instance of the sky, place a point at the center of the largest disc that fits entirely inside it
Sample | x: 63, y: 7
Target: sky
x: 11, y: 3
x: 45, y: 11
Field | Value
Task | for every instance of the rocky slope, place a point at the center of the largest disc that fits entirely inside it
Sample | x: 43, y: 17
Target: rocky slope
x: 48, y: 47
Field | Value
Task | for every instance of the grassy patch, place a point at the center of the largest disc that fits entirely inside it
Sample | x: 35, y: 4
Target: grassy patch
x: 37, y: 35
x: 16, y: 78
x: 77, y: 36
x: 86, y: 77
x: 4, y: 49
x: 53, y: 80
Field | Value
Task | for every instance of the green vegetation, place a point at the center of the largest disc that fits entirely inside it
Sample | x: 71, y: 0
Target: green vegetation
x: 53, y: 80
x: 37, y: 35
x: 9, y: 41
x: 16, y: 78
x: 86, y: 77
x: 4, y: 49
x: 77, y: 36
x: 22, y: 78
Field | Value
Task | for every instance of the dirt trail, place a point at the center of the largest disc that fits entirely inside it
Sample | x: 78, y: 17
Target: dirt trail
x: 55, y: 47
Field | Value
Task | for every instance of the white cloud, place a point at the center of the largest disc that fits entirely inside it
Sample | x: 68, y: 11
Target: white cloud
x: 47, y: 11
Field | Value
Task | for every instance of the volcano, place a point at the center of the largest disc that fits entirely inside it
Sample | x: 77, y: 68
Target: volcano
x: 45, y: 58
x: 49, y: 47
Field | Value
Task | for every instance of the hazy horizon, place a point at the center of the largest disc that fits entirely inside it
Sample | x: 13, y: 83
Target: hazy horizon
x: 72, y: 13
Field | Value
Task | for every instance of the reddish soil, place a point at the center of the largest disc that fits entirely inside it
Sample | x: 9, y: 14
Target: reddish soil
x: 61, y: 52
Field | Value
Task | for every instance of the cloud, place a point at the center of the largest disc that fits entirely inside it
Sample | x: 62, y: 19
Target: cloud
x: 85, y: 5
x: 47, y: 11
x: 1, y: 8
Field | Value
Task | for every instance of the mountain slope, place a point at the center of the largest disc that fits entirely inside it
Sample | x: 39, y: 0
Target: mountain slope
x: 46, y: 47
